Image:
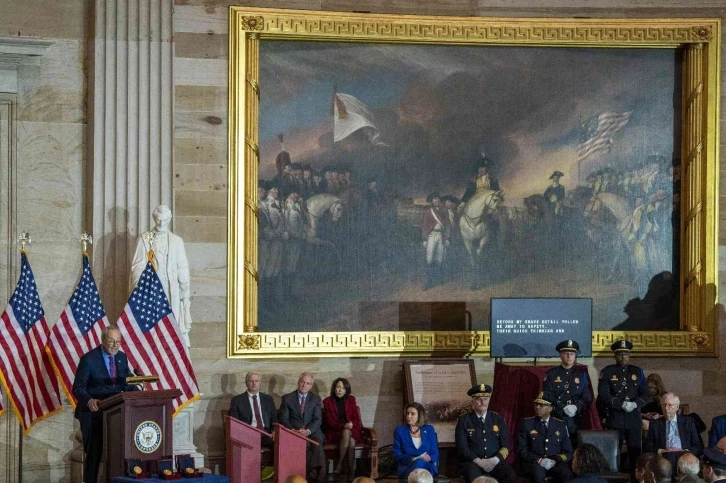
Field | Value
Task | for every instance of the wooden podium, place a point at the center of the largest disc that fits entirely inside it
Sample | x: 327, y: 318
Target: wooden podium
x: 290, y: 453
x: 136, y: 424
x: 244, y: 446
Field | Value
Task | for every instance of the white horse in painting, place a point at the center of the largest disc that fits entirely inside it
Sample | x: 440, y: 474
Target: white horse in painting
x: 475, y: 220
x: 317, y: 207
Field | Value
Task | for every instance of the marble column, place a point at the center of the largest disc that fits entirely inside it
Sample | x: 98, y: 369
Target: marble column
x: 131, y: 121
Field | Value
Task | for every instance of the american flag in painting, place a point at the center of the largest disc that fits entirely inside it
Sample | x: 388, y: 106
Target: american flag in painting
x: 78, y: 329
x: 598, y: 132
x: 27, y: 374
x: 152, y: 340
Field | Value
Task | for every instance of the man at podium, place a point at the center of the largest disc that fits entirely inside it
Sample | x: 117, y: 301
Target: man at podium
x: 302, y: 411
x: 255, y: 408
x: 101, y: 373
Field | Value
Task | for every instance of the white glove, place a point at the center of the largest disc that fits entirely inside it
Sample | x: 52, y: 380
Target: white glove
x: 629, y: 406
x: 490, y: 463
x: 570, y: 410
x: 547, y: 463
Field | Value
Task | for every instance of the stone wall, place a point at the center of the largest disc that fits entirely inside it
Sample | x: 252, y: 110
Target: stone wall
x: 52, y: 186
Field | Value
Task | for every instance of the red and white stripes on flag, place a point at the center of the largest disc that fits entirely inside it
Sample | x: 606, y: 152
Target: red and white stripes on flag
x: 598, y: 132
x: 25, y: 370
x: 77, y: 331
x: 153, y: 342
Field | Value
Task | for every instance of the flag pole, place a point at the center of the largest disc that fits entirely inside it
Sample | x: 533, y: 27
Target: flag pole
x: 23, y: 239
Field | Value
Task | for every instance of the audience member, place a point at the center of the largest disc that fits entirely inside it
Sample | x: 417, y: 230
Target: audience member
x: 672, y: 434
x: 342, y: 425
x: 714, y: 465
x: 717, y: 431
x: 482, y: 440
x: 364, y: 479
x: 587, y: 462
x: 301, y: 411
x: 659, y: 470
x: 295, y: 479
x: 484, y: 479
x: 691, y: 479
x: 420, y: 475
x: 543, y: 445
x: 641, y: 464
x: 415, y: 445
x: 688, y: 464
x: 652, y: 410
x: 255, y: 408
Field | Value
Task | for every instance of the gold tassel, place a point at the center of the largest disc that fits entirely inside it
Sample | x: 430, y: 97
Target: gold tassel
x: 150, y: 257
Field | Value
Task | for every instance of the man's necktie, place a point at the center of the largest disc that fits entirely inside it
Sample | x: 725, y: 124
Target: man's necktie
x: 112, y: 370
x: 258, y: 415
x: 302, y: 405
x: 671, y: 434
x: 482, y: 420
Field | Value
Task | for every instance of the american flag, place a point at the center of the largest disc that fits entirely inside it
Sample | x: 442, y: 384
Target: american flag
x: 28, y: 377
x: 153, y: 342
x: 78, y: 330
x: 598, y: 132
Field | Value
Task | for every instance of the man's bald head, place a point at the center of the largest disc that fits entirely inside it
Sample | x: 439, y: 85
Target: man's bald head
x: 688, y: 464
x: 661, y: 469
x: 364, y: 479
x: 295, y: 479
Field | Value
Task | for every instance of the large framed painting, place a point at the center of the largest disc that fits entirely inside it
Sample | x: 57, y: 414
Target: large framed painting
x: 389, y: 175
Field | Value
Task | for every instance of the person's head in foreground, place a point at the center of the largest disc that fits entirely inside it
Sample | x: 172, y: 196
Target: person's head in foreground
x: 588, y: 460
x: 420, y: 475
x: 295, y: 479
x: 640, y: 465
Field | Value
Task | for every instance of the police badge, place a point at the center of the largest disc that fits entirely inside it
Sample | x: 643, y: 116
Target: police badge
x: 495, y: 428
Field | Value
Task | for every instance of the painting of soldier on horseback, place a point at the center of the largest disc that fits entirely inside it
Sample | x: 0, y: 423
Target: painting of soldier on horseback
x: 392, y: 175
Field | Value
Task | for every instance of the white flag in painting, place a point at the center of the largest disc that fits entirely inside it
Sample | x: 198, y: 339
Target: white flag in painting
x: 351, y: 115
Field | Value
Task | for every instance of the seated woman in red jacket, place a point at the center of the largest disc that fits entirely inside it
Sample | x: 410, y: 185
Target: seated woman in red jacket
x: 342, y: 424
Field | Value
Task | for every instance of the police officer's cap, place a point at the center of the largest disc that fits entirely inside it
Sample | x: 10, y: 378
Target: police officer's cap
x: 568, y: 346
x: 715, y: 458
x: 544, y: 399
x: 481, y: 390
x: 431, y: 197
x: 559, y: 174
x: 622, y: 346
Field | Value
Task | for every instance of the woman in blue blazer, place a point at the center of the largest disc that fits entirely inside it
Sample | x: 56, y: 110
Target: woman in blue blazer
x: 415, y: 444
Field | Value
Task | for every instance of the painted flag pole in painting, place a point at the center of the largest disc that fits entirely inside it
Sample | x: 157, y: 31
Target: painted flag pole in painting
x: 350, y: 115
x: 25, y: 370
x: 78, y: 330
x: 598, y: 132
x: 152, y: 340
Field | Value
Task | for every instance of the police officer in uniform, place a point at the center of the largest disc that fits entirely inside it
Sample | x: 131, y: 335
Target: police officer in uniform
x: 482, y: 440
x: 543, y: 445
x: 622, y: 392
x: 568, y: 388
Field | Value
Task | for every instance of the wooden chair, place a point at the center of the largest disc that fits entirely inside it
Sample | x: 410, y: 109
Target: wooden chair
x: 366, y: 449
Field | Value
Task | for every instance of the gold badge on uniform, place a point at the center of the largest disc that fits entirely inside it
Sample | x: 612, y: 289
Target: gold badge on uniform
x: 558, y: 379
x: 534, y: 431
x: 614, y: 378
x: 495, y: 428
x: 138, y: 470
x: 577, y: 380
x: 557, y: 433
x: 471, y: 431
x: 634, y: 377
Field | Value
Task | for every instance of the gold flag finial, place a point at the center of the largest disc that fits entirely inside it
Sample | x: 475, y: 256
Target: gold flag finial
x: 24, y: 239
x: 85, y: 239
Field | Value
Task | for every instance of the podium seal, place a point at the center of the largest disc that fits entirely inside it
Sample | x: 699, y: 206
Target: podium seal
x: 147, y: 437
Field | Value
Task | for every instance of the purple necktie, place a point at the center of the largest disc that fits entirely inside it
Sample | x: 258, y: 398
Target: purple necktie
x: 258, y: 416
x: 112, y: 370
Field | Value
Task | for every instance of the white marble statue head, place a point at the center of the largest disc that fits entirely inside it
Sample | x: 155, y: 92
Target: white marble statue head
x: 162, y: 218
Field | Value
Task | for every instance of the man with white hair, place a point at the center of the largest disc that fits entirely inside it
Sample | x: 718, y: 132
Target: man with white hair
x: 671, y: 435
x: 420, y: 475
x: 484, y: 479
x: 172, y: 267
x: 688, y: 464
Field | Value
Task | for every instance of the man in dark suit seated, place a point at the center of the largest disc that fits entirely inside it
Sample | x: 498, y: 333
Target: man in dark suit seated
x: 101, y: 373
x: 255, y: 408
x: 543, y: 445
x: 717, y: 431
x: 671, y: 435
x: 302, y: 411
x: 482, y: 440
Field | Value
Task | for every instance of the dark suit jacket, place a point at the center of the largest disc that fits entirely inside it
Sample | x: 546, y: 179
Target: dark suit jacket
x: 717, y: 431
x: 92, y: 380
x: 240, y: 409
x: 588, y: 478
x: 312, y: 420
x: 657, y: 436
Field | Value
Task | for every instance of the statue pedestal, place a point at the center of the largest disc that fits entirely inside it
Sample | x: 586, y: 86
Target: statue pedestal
x: 184, y: 436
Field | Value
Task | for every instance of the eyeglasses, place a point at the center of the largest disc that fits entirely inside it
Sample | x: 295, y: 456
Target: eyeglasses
x: 669, y: 405
x: 113, y: 341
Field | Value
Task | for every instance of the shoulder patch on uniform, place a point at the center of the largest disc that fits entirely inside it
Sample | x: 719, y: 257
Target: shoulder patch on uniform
x: 557, y: 419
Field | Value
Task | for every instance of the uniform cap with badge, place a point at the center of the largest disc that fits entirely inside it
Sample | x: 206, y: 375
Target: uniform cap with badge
x: 621, y: 346
x: 715, y: 458
x: 544, y: 399
x: 480, y: 390
x: 568, y: 346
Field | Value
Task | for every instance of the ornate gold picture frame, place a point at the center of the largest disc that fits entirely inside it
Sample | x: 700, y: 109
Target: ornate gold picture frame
x: 696, y: 40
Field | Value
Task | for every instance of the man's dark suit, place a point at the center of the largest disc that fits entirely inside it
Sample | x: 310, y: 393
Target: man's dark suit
x: 717, y: 431
x: 93, y: 381
x: 658, y: 436
x: 312, y: 420
x: 240, y: 409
